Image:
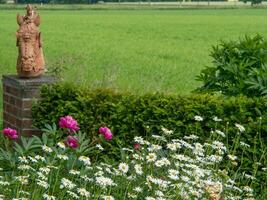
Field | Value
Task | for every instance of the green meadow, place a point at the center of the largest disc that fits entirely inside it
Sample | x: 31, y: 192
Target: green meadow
x: 131, y: 50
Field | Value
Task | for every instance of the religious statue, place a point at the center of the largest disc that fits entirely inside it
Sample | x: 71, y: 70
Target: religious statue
x: 30, y: 62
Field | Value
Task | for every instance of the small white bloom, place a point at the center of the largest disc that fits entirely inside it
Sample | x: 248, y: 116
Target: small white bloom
x: 127, y: 149
x: 83, y: 192
x: 108, y: 197
x: 240, y: 127
x: 73, y: 195
x: 158, y: 137
x: 104, y: 181
x: 4, y: 183
x: 32, y: 159
x: 166, y: 131
x: 23, y: 159
x: 198, y: 118
x: 220, y: 133
x: 191, y: 137
x: 243, y: 144
x: 151, y: 157
x: 173, y: 174
x: 249, y: 176
x: 232, y: 157
x: 138, y: 169
x: 41, y: 158
x: 123, y: 167
x: 99, y: 147
x: 61, y: 145
x: 43, y: 184
x: 138, y: 189
x: 22, y: 179
x: 216, y: 119
x: 48, y: 197
x: 150, y: 198
x: 154, y: 147
x: 44, y: 170
x: 74, y: 172
x: 99, y: 173
x: 25, y: 167
x: 85, y: 160
x: 159, y: 193
x: 47, y: 149
x: 139, y: 140
x: 62, y: 157
x: 66, y: 183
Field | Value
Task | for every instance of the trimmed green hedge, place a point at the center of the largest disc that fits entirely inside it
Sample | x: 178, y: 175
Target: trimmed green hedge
x: 129, y: 115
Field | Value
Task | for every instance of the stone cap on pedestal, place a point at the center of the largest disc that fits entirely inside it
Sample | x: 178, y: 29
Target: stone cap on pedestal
x: 16, y: 81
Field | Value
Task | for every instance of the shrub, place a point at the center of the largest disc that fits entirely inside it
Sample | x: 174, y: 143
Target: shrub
x: 239, y: 68
x: 129, y: 115
x: 255, y: 2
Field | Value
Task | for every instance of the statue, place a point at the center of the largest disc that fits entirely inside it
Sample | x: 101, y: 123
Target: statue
x: 30, y: 62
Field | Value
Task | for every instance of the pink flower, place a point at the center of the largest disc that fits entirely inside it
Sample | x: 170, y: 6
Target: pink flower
x: 10, y: 133
x: 106, y: 132
x: 137, y: 146
x: 69, y: 123
x: 72, y: 142
x: 108, y: 135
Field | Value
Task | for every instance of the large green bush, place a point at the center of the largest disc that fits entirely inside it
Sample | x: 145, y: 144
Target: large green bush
x: 129, y: 115
x: 239, y: 67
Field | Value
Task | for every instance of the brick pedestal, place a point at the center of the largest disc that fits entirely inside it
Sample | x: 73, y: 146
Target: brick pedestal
x: 18, y: 95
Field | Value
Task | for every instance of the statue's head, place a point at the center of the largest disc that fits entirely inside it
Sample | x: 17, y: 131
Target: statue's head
x: 30, y: 61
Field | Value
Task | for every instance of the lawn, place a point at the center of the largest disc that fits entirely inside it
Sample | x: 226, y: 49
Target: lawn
x: 132, y: 50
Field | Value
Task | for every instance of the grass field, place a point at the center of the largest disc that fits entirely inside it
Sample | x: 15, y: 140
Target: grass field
x: 132, y: 50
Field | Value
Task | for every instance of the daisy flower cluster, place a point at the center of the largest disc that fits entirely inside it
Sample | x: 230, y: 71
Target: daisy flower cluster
x: 158, y: 168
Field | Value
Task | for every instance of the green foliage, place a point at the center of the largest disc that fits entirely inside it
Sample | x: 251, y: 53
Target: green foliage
x: 130, y: 115
x: 239, y: 68
x: 255, y: 2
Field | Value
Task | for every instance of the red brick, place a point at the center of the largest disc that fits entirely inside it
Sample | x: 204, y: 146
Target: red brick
x: 5, y: 115
x: 5, y: 97
x: 7, y: 108
x: 26, y: 104
x: 7, y: 89
x: 30, y: 132
x: 18, y: 123
x: 25, y: 113
x: 12, y: 120
x: 31, y: 93
x: 26, y: 123
x: 7, y: 124
x: 15, y: 91
x: 11, y: 100
x: 18, y: 103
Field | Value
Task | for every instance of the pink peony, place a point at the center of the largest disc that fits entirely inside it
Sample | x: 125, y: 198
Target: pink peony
x: 69, y: 123
x: 106, y: 132
x: 72, y: 142
x: 10, y: 133
x: 137, y: 146
x: 108, y: 135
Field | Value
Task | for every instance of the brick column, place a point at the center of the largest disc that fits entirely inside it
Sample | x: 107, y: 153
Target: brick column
x: 18, y: 95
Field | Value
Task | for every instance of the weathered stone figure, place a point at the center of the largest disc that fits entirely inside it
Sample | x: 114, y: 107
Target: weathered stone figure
x: 30, y: 62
